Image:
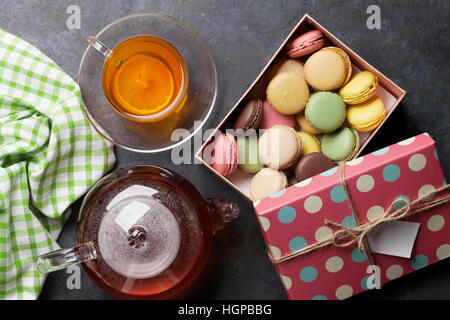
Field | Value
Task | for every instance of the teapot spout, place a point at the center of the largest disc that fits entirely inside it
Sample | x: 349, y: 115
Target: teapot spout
x: 221, y: 212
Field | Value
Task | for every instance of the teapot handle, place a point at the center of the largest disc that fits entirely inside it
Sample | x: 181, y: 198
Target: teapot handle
x: 63, y: 258
x: 221, y: 212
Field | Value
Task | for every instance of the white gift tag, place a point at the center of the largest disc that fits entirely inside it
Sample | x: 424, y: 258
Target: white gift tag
x: 395, y: 238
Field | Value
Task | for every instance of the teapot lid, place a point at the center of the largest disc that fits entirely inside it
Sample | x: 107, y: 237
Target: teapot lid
x: 139, y: 237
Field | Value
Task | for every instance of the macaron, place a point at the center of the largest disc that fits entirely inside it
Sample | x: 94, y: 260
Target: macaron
x: 341, y: 145
x: 250, y: 116
x: 286, y: 65
x: 310, y: 143
x: 280, y: 147
x: 328, y: 69
x: 313, y: 164
x: 305, y: 125
x: 271, y: 117
x: 267, y: 182
x: 288, y: 93
x: 361, y: 87
x: 305, y: 44
x: 248, y: 157
x: 325, y: 111
x: 224, y: 154
x: 368, y: 115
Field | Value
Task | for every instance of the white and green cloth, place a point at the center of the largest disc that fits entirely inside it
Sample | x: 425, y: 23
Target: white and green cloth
x: 49, y: 156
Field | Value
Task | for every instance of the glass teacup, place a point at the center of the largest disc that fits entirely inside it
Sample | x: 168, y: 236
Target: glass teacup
x: 147, y: 113
x: 144, y: 78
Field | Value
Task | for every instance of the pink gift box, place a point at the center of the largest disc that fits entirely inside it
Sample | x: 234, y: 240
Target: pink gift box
x: 295, y: 218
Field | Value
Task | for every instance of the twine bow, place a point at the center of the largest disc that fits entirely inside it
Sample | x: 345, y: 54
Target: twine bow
x: 345, y: 236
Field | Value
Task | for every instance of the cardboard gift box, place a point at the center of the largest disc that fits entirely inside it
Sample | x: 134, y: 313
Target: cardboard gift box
x: 297, y: 218
x: 389, y: 92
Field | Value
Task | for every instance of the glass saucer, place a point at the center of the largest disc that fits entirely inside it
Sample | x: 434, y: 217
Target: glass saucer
x: 150, y: 136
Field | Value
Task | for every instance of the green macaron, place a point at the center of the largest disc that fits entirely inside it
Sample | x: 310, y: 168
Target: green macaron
x: 325, y: 111
x: 341, y: 145
x: 248, y: 157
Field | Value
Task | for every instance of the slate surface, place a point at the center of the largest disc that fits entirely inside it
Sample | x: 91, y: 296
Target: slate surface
x: 412, y: 48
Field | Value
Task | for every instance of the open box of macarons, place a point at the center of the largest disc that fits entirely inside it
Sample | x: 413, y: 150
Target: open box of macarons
x: 316, y: 103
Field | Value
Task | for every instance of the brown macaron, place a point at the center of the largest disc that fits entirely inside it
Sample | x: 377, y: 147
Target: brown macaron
x: 313, y: 164
x: 250, y: 116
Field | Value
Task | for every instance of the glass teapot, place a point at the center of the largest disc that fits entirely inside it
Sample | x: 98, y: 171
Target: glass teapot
x: 143, y: 232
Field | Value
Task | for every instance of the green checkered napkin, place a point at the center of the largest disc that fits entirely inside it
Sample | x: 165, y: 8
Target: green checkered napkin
x: 49, y: 156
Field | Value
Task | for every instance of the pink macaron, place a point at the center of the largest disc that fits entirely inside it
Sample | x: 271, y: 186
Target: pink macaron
x: 305, y: 44
x: 271, y: 117
x: 224, y: 154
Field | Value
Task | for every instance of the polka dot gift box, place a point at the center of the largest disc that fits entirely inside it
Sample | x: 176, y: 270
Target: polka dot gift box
x: 298, y: 237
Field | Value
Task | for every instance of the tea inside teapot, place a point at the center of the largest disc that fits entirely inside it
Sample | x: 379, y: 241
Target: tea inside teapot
x: 143, y: 231
x: 146, y: 231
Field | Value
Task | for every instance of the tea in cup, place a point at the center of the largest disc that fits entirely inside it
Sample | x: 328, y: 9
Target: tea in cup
x: 144, y: 78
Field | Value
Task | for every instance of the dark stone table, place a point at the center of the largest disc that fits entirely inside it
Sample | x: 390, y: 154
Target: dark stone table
x: 412, y: 48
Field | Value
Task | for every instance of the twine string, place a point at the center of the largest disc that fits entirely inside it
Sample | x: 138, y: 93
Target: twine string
x: 363, y: 244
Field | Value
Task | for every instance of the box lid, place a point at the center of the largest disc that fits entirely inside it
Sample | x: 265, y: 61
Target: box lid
x: 294, y: 218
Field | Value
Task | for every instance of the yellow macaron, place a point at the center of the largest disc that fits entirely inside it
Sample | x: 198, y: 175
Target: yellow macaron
x: 286, y: 65
x: 366, y: 116
x: 310, y: 143
x: 288, y: 93
x: 328, y: 69
x: 361, y: 87
x: 305, y: 125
